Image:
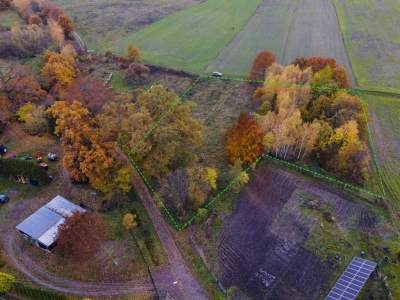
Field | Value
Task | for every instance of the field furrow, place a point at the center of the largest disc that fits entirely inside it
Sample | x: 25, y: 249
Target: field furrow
x: 290, y: 29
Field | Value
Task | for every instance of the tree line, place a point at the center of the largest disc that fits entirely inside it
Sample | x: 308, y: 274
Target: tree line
x: 305, y: 113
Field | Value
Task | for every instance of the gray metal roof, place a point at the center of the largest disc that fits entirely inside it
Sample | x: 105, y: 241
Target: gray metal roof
x: 39, y: 222
x: 43, y: 224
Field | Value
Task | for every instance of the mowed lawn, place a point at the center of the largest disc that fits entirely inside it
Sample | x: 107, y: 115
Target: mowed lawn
x: 372, y: 35
x: 385, y: 124
x: 191, y: 39
x: 288, y: 28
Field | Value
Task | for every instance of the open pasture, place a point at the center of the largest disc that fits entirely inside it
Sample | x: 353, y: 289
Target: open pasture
x: 192, y: 38
x: 371, y: 30
x: 290, y: 29
x: 385, y: 123
x: 102, y: 22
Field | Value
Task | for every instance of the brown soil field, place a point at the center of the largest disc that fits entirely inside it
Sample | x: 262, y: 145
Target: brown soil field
x: 271, y: 247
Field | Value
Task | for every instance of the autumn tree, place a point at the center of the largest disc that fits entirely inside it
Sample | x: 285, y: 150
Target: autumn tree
x: 129, y: 221
x: 66, y: 24
x: 133, y: 52
x: 238, y: 176
x: 137, y: 72
x: 245, y: 140
x: 4, y: 4
x: 20, y: 88
x: 89, y: 156
x: 187, y: 190
x: 167, y: 147
x: 80, y: 236
x: 262, y: 62
x: 60, y: 69
x: 6, y: 282
x: 56, y: 33
x: 92, y: 93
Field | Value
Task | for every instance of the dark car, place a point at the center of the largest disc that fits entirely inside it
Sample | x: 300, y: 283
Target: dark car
x: 4, y: 199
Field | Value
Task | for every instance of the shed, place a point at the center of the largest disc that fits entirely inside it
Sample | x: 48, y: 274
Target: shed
x: 42, y: 226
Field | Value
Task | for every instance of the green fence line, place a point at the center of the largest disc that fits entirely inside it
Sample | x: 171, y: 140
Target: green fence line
x: 180, y: 226
x: 304, y: 170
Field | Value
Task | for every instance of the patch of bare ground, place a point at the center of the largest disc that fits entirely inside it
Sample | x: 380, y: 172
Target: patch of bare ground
x: 263, y: 248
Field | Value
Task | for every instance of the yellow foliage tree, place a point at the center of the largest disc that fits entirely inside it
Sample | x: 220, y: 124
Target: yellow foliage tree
x: 211, y: 177
x: 6, y: 282
x: 133, y: 52
x: 129, y: 221
x: 25, y: 111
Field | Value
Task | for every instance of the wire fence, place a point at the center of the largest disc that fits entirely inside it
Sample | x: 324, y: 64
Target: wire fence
x: 181, y: 225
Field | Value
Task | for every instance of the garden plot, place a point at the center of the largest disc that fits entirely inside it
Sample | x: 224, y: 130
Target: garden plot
x: 102, y: 22
x: 290, y: 29
x: 371, y: 30
x: 288, y: 257
x: 191, y: 39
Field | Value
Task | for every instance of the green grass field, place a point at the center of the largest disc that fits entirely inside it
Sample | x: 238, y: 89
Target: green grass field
x: 191, y: 39
x: 385, y: 128
x: 9, y: 18
x: 372, y: 38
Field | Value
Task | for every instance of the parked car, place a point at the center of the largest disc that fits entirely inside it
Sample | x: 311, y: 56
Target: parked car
x: 4, y: 199
x: 51, y: 156
x: 217, y: 74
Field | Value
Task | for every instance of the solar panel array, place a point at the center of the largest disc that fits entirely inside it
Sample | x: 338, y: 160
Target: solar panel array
x: 352, y: 280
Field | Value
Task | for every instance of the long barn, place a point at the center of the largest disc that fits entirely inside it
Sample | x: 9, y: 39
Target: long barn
x: 41, y: 227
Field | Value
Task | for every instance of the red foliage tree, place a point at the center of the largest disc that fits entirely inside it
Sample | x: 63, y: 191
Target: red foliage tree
x: 21, y: 88
x: 137, y: 72
x: 80, y: 236
x: 244, y: 140
x: 318, y: 63
x: 263, y: 60
x: 66, y: 24
x: 341, y: 77
x: 92, y: 93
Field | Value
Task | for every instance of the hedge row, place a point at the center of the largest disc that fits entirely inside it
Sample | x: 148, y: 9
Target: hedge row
x: 36, y: 293
x: 18, y: 167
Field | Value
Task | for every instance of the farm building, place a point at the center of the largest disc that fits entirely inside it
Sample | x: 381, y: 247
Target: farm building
x: 42, y: 226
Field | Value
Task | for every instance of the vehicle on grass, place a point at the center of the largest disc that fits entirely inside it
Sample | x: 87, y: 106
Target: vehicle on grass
x: 4, y: 199
x: 217, y: 74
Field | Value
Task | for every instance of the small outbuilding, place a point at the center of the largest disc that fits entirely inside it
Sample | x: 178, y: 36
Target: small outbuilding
x: 42, y: 226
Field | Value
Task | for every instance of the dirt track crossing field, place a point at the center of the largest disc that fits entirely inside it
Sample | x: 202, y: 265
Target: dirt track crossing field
x: 290, y: 29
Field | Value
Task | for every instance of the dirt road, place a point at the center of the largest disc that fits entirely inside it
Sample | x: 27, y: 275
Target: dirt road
x: 185, y: 280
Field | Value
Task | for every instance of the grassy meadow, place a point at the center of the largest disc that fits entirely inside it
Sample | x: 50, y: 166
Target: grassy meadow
x: 372, y: 39
x: 191, y: 39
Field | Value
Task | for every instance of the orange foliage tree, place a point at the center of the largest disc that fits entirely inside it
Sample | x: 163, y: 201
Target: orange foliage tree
x: 263, y: 60
x: 81, y: 236
x: 319, y: 63
x: 60, y: 68
x: 245, y: 140
x: 66, y: 24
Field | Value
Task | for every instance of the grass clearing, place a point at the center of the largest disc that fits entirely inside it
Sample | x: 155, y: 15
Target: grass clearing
x: 102, y: 22
x: 9, y: 18
x: 384, y: 119
x: 372, y: 39
x: 191, y: 39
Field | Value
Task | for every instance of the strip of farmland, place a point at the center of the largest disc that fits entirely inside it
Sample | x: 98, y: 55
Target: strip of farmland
x: 385, y: 122
x: 372, y: 33
x: 191, y: 39
x: 290, y: 29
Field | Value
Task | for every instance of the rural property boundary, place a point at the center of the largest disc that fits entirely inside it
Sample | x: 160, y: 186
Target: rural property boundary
x: 293, y: 166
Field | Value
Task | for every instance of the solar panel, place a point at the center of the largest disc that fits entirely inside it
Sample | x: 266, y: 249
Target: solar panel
x: 352, y: 280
